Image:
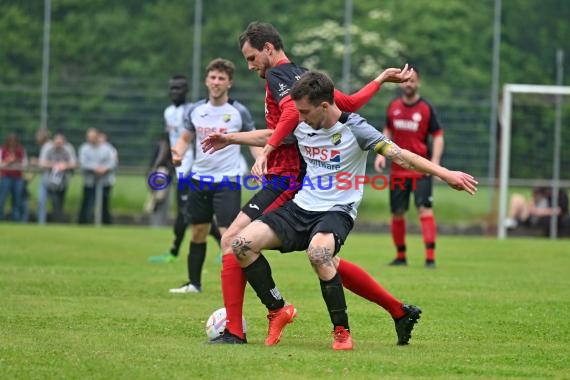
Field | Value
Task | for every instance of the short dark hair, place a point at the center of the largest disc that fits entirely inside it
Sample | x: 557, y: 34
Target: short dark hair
x: 258, y: 33
x: 179, y: 77
x: 316, y: 86
x: 222, y: 65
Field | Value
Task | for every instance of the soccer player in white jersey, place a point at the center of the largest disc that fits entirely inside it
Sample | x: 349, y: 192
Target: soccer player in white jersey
x: 319, y: 218
x: 215, y: 188
x: 174, y: 124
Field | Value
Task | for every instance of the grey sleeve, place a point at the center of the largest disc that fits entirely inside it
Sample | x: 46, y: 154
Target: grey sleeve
x: 246, y: 119
x: 366, y: 135
x: 188, y: 124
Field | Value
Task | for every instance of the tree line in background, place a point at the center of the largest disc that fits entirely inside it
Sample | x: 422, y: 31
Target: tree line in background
x: 104, y: 51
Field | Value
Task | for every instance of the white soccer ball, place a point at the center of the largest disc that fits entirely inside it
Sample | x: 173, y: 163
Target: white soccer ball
x: 216, y: 323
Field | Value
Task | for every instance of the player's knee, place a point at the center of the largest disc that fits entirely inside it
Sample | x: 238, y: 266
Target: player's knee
x: 227, y: 240
x: 517, y: 199
x: 241, y: 247
x: 320, y: 255
x: 200, y: 232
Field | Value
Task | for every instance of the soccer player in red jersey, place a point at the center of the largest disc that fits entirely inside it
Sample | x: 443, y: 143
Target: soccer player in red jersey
x: 410, y: 121
x: 263, y: 50
x: 320, y: 221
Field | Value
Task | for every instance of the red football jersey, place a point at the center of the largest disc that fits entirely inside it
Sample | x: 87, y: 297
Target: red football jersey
x: 282, y: 116
x: 410, y: 126
x: 285, y: 159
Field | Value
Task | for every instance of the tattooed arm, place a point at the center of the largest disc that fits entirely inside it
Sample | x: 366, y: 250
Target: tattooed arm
x: 409, y: 160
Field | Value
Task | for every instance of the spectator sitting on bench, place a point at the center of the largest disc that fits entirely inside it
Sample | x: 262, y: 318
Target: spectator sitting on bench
x: 537, y: 212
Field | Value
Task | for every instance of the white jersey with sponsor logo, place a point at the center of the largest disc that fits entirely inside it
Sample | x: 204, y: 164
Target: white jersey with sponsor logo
x: 331, y: 154
x: 205, y: 118
x: 174, y: 122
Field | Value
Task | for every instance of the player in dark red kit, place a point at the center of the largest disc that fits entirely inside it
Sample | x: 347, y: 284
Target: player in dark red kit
x: 263, y: 50
x: 410, y: 121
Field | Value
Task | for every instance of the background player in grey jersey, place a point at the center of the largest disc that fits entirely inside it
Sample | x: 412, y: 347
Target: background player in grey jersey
x: 174, y: 116
x: 319, y: 221
x: 214, y: 185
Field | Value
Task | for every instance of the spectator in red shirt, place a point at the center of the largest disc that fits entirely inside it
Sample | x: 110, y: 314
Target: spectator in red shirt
x: 13, y: 160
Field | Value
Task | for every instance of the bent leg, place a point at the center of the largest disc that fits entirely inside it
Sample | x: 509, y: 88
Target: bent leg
x: 518, y: 210
x: 247, y: 247
x: 359, y: 282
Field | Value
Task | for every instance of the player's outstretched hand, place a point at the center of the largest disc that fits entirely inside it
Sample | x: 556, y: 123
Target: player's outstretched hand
x: 395, y: 75
x: 461, y: 181
x: 214, y: 142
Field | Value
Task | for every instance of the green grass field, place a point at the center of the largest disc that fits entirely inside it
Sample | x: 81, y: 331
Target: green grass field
x: 81, y: 302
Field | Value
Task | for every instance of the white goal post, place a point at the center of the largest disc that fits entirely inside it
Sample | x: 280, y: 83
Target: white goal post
x: 508, y: 91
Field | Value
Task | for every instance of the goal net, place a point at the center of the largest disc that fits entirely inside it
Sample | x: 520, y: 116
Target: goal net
x: 534, y: 144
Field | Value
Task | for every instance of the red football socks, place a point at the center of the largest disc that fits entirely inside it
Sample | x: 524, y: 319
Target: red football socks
x: 429, y: 231
x: 233, y: 291
x: 358, y: 281
x: 399, y: 236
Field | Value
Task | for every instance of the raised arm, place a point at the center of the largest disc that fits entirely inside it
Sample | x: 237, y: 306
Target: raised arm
x: 217, y: 141
x: 405, y: 158
x: 354, y: 102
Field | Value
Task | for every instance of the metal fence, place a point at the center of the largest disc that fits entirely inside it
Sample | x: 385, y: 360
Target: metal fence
x: 130, y: 112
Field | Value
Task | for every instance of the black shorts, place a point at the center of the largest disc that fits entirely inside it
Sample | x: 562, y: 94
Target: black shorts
x: 273, y: 195
x: 295, y: 226
x: 400, y: 193
x: 205, y: 202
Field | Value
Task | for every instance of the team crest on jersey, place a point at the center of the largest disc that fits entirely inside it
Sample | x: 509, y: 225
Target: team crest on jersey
x: 227, y: 117
x: 336, y: 138
x: 283, y: 90
x: 417, y: 117
x: 335, y: 156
